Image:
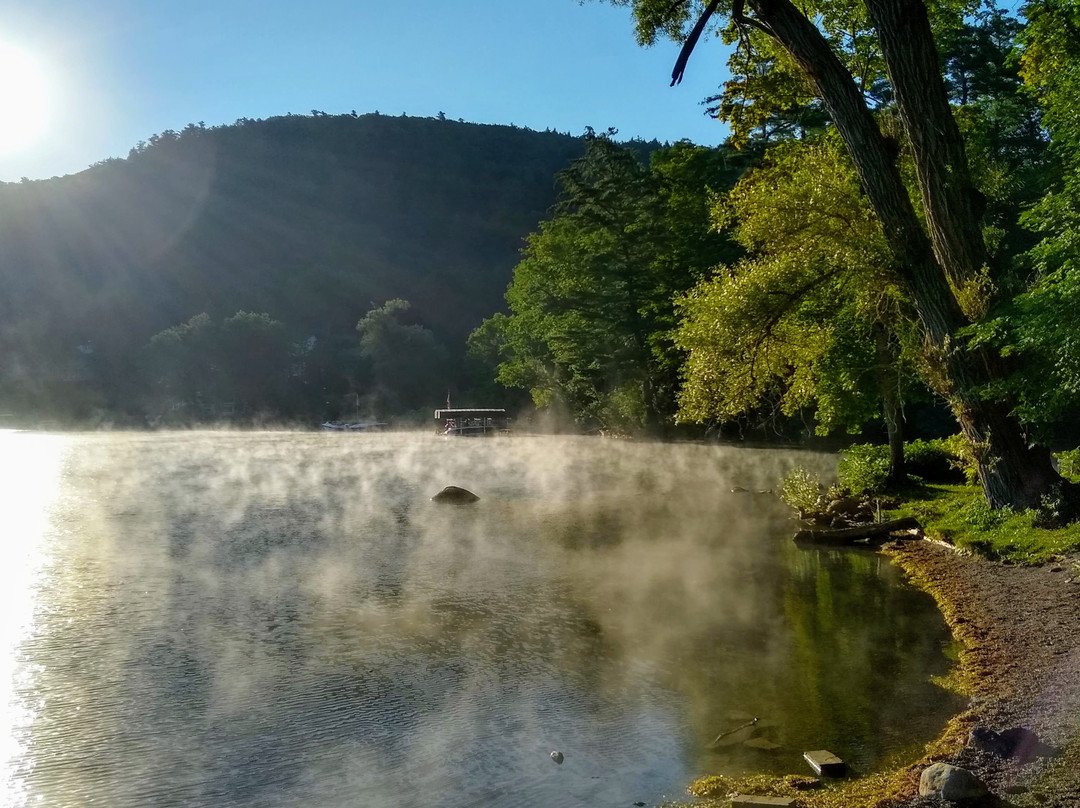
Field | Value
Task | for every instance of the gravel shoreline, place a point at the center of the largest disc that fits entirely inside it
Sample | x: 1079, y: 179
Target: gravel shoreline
x: 1021, y: 666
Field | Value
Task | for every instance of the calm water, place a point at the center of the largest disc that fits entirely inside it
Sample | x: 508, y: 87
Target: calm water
x: 274, y: 619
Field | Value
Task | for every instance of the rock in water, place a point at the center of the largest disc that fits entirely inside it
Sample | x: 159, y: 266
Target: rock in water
x: 950, y: 783
x: 452, y: 493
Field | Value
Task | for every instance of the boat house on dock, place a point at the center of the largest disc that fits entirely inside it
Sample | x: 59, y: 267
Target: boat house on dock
x: 472, y: 422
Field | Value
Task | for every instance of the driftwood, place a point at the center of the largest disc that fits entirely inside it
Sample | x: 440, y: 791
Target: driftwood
x: 850, y: 535
x: 722, y: 735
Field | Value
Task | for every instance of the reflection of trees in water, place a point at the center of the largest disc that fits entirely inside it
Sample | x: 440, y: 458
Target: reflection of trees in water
x: 865, y: 648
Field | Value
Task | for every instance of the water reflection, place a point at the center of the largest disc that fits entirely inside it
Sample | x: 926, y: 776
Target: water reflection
x: 29, y: 477
x: 274, y: 619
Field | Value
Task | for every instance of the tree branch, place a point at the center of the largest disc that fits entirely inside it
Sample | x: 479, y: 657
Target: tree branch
x: 743, y: 21
x: 691, y: 42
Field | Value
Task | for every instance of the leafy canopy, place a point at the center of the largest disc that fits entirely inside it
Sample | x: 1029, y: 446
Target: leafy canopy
x: 792, y: 324
x: 591, y: 301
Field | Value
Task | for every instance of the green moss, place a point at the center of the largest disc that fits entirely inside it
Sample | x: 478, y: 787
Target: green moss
x: 958, y: 514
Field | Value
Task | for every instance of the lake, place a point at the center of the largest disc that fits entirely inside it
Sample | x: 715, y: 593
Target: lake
x: 286, y: 619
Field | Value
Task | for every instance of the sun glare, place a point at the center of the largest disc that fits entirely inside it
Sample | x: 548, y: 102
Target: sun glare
x: 24, y: 99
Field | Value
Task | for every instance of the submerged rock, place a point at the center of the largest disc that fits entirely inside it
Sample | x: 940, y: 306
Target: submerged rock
x: 950, y: 783
x: 452, y: 493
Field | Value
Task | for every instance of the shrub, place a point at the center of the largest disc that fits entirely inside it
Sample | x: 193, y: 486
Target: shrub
x: 864, y: 468
x: 979, y: 515
x: 937, y: 461
x: 801, y: 490
x: 963, y: 457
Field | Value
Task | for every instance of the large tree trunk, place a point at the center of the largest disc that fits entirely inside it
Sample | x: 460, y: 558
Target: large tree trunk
x: 1011, y: 473
x: 952, y: 203
x: 888, y: 379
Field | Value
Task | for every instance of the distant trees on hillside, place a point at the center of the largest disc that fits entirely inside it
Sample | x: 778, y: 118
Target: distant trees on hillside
x: 409, y: 368
x: 308, y: 220
x: 243, y: 366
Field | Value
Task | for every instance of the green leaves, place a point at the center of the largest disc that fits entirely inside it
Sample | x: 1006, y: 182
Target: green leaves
x: 408, y: 365
x: 1037, y: 330
x: 591, y: 300
x: 790, y: 325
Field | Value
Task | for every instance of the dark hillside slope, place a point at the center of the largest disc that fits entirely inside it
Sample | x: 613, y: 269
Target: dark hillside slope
x: 311, y: 219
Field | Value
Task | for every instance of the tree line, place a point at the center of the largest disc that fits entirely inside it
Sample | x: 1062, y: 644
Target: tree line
x: 309, y: 220
x: 906, y: 229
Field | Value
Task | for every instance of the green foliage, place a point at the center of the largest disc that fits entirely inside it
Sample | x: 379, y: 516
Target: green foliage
x: 959, y: 514
x: 309, y: 219
x: 200, y: 369
x: 801, y: 490
x: 1069, y: 464
x: 1039, y: 327
x: 408, y: 365
x: 864, y: 469
x: 943, y: 261
x: 942, y: 460
x: 591, y: 301
x: 792, y: 324
x: 768, y: 95
x: 981, y: 517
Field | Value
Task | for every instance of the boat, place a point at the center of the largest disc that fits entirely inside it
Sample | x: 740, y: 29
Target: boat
x: 476, y: 422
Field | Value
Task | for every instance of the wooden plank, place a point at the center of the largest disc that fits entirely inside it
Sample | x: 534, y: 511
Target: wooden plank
x: 746, y: 800
x: 825, y: 763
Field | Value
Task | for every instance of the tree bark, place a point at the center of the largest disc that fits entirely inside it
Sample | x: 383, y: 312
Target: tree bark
x: 952, y: 203
x: 888, y: 379
x: 1012, y: 474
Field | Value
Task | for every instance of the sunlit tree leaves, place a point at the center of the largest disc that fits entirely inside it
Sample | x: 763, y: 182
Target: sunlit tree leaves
x: 813, y: 315
x: 591, y: 301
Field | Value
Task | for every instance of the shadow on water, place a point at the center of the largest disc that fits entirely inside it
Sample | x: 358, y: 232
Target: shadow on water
x: 283, y: 619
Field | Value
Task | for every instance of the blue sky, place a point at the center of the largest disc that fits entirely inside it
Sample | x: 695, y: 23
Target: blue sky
x: 121, y: 70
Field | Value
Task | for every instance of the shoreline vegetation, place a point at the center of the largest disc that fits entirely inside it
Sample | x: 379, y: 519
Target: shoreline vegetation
x: 1009, y: 590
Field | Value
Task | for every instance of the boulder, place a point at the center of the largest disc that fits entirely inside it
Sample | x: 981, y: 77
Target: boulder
x: 453, y: 494
x: 950, y: 783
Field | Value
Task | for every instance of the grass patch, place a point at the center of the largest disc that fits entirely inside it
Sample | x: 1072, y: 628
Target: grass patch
x: 958, y: 514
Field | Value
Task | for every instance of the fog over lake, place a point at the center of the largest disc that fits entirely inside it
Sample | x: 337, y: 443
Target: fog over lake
x: 286, y: 619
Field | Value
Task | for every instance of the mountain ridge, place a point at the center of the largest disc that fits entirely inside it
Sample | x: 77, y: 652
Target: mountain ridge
x: 311, y: 219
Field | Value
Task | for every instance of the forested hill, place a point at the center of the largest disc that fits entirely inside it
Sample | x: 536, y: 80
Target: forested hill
x: 310, y: 219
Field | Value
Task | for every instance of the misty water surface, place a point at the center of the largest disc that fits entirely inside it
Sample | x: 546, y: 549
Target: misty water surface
x: 276, y: 619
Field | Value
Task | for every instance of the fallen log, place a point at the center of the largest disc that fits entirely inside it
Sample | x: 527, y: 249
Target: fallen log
x: 856, y: 533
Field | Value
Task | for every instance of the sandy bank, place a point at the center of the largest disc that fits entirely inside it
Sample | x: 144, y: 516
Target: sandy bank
x: 1021, y: 666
